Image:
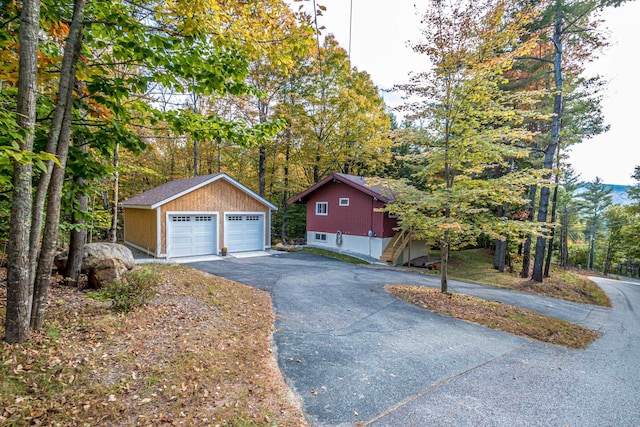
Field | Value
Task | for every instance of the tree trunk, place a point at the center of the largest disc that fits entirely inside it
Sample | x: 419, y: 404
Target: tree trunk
x: 501, y: 245
x: 526, y: 248
x: 592, y: 253
x: 285, y: 193
x: 195, y: 158
x: 65, y: 85
x: 500, y: 256
x: 45, y: 260
x: 77, y: 241
x: 444, y: 263
x: 19, y: 290
x: 113, y: 231
x: 564, y: 240
x: 50, y: 234
x: 262, y: 161
x: 78, y: 234
x: 554, y: 201
x: 607, y: 261
x: 262, y: 169
x: 550, y: 151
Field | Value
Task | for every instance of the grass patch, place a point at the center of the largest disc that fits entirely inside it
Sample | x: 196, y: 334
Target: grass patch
x: 476, y: 266
x: 497, y: 315
x: 335, y: 255
x: 178, y: 360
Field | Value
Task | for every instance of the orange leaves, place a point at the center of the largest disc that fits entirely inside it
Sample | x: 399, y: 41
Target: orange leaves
x: 9, y: 63
x: 59, y: 30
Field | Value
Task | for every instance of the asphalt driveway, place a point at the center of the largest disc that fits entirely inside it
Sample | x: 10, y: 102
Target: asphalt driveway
x: 356, y: 354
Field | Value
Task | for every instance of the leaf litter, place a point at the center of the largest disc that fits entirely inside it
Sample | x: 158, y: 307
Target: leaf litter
x: 496, y: 315
x: 198, y: 354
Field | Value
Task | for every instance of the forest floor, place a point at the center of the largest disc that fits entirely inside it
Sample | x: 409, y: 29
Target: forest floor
x: 198, y: 354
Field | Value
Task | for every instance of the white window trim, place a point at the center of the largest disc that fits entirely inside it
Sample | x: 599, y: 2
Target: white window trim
x: 343, y: 201
x: 318, y: 237
x: 326, y: 208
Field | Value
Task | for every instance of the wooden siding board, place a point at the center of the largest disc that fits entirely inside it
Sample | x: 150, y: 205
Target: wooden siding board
x: 356, y: 219
x: 219, y: 196
x: 140, y: 228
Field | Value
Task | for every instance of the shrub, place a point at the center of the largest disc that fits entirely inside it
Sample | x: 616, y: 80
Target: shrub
x: 134, y: 290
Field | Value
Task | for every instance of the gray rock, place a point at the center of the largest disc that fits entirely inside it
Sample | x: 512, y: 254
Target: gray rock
x: 101, y: 262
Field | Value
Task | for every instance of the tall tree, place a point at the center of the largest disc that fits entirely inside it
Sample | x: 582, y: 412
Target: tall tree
x: 19, y: 292
x: 472, y: 126
x: 573, y: 41
x: 569, y: 184
x: 62, y: 138
x: 617, y: 218
x: 596, y: 198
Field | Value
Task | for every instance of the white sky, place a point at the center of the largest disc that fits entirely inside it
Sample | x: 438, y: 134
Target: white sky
x: 381, y: 31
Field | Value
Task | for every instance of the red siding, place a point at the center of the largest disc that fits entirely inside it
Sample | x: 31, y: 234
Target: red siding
x: 356, y: 219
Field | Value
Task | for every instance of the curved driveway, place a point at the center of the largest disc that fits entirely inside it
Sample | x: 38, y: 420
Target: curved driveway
x: 356, y: 354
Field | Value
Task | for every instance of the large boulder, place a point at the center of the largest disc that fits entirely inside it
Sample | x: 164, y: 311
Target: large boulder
x: 102, y: 262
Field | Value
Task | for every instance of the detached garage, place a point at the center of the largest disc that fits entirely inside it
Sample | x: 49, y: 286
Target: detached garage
x: 197, y: 216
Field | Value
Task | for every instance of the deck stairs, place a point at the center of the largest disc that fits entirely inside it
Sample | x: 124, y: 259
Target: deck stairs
x: 396, y: 246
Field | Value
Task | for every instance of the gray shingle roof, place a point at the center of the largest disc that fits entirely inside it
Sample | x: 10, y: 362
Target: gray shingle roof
x: 168, y: 190
x: 177, y: 188
x: 358, y: 182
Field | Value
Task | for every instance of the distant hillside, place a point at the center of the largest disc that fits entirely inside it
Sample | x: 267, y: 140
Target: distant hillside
x: 619, y: 194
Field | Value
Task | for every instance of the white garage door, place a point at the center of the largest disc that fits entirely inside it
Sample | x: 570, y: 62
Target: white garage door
x: 191, y: 235
x: 244, y: 232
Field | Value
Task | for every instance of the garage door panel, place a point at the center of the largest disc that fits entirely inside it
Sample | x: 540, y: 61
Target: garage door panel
x: 191, y: 235
x: 244, y: 232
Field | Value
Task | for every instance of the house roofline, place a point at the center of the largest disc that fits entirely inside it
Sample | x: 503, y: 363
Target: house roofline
x: 200, y: 185
x: 335, y: 176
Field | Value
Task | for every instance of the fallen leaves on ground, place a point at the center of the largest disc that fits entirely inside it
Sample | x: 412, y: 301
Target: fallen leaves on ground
x: 198, y: 354
x: 497, y: 315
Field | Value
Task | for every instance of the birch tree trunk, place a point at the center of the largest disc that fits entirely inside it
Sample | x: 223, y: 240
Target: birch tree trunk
x: 113, y: 231
x: 19, y: 291
x: 262, y: 161
x: 285, y: 193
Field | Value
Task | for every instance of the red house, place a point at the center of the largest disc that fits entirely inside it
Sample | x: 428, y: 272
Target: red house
x: 344, y: 213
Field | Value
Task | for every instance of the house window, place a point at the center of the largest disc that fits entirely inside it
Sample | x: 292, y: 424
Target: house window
x: 392, y: 215
x: 322, y: 208
x: 344, y: 201
x: 321, y: 237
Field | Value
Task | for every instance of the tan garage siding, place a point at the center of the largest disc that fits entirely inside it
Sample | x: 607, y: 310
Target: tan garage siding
x: 219, y: 196
x: 140, y: 228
